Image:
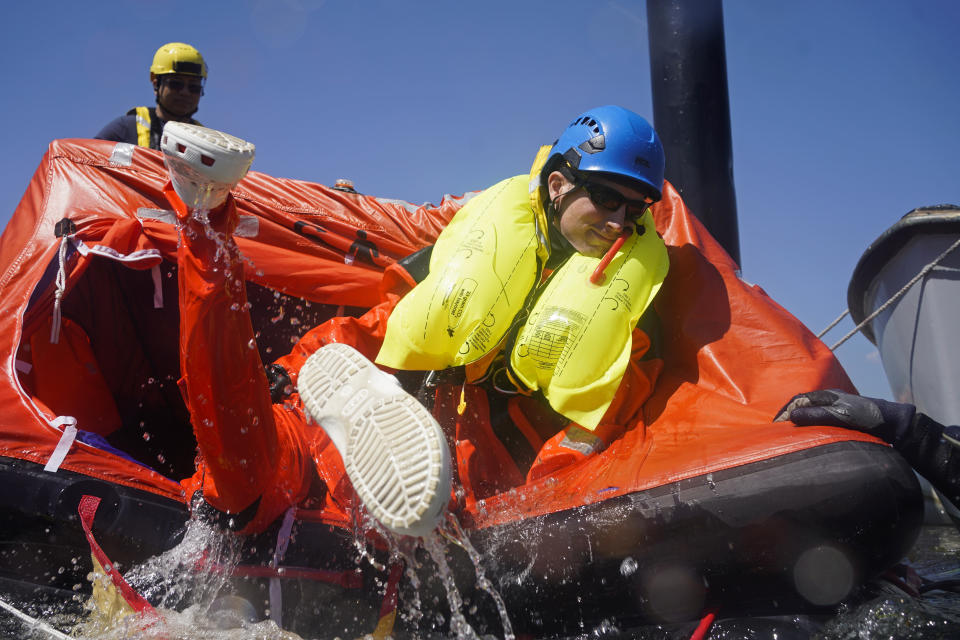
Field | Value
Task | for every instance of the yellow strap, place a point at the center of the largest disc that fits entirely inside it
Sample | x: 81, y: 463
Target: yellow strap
x: 384, y: 626
x: 143, y: 126
x: 537, y: 204
x: 463, y: 400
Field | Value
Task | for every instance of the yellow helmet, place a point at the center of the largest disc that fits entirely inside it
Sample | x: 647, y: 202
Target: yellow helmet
x: 177, y: 57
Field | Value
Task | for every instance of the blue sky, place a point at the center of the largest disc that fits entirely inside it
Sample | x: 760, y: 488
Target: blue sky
x: 844, y: 114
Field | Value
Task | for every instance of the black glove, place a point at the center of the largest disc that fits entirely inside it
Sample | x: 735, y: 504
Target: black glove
x: 886, y: 420
x: 280, y: 384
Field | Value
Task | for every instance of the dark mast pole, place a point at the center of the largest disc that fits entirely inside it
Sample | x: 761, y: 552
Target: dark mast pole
x: 691, y: 110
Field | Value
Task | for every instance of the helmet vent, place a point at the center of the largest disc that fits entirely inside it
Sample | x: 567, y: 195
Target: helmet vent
x: 590, y: 122
x: 595, y: 144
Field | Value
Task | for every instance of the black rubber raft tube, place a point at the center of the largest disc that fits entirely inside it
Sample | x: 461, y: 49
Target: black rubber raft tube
x: 793, y: 534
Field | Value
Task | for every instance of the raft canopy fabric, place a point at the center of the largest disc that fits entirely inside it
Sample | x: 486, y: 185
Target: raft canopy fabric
x: 731, y: 355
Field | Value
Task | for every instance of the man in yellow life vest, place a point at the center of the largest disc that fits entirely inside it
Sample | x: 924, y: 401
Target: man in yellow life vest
x: 178, y: 75
x: 524, y: 312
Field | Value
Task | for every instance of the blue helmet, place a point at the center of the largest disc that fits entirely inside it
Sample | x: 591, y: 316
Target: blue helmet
x: 616, y: 141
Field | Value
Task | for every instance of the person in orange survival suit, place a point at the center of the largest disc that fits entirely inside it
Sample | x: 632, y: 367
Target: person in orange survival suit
x: 513, y: 358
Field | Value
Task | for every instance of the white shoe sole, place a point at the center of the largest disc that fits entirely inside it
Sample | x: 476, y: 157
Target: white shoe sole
x: 204, y: 164
x: 393, y: 450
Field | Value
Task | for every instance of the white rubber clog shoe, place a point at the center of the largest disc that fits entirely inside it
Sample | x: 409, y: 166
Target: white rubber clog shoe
x: 204, y: 164
x: 392, y: 448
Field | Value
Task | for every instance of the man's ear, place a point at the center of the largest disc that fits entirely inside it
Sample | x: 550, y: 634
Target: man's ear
x: 557, y: 184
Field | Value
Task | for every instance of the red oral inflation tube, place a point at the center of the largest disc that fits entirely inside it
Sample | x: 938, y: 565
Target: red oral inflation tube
x: 597, y: 277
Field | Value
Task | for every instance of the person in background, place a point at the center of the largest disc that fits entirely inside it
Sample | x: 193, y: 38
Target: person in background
x: 178, y: 75
x: 930, y: 447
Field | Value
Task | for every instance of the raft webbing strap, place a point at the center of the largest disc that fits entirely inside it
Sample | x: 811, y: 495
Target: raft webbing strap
x: 68, y: 435
x: 87, y: 510
x: 344, y: 579
x: 157, y: 287
x: 283, y: 540
x: 701, y: 631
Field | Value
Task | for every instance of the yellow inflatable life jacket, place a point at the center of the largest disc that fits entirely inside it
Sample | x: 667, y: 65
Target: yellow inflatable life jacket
x: 482, y: 268
x: 576, y: 342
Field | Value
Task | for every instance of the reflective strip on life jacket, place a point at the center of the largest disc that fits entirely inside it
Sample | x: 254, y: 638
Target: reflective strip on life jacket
x: 143, y: 126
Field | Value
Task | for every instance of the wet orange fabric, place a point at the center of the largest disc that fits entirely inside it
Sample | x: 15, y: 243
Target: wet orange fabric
x: 247, y: 453
x: 304, y: 242
x: 729, y: 355
x: 66, y: 378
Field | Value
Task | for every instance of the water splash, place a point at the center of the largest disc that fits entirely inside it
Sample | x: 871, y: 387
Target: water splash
x: 460, y: 539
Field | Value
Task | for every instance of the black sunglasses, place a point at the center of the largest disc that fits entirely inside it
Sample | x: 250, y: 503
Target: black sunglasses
x: 196, y: 88
x: 611, y: 199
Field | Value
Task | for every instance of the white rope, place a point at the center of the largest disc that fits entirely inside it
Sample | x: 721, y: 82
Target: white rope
x: 61, y: 288
x: 39, y: 625
x: 893, y: 298
x: 843, y: 315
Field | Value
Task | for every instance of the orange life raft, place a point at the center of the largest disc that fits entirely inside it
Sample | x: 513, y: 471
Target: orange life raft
x: 708, y: 493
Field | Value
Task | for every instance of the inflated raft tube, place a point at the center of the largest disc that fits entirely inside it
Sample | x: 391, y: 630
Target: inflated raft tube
x: 42, y: 546
x: 797, y: 533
